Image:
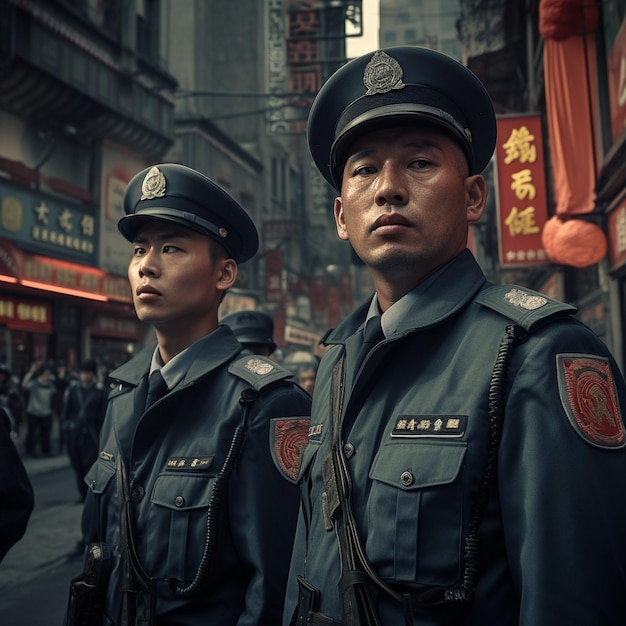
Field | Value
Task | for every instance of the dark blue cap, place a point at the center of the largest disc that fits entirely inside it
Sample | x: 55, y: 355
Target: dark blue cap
x: 175, y: 193
x: 396, y: 86
x: 252, y: 327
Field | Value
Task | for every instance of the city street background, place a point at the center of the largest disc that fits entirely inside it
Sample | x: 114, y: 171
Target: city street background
x: 35, y: 574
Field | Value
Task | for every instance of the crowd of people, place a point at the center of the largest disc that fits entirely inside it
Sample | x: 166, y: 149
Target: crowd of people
x: 462, y: 458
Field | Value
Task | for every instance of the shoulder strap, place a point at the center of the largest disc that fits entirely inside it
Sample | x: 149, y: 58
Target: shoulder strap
x: 258, y: 371
x: 527, y: 308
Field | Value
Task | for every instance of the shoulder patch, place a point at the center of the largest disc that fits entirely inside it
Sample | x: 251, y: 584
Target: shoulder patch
x: 589, y: 398
x: 288, y: 438
x: 258, y: 371
x: 524, y: 306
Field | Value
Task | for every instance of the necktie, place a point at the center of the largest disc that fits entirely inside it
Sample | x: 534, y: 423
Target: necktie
x: 156, y: 388
x: 372, y: 334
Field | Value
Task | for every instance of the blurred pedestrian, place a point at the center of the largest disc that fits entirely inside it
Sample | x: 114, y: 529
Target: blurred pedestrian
x: 16, y: 492
x: 254, y: 330
x: 62, y: 380
x: 11, y: 400
x: 82, y: 414
x: 194, y: 487
x: 38, y: 383
x: 306, y: 378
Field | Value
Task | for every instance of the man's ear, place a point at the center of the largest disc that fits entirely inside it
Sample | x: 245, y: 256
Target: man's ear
x: 227, y: 276
x: 339, y: 219
x: 476, y: 197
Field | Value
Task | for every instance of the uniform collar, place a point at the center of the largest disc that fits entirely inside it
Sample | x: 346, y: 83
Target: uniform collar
x: 432, y: 301
x: 204, y: 355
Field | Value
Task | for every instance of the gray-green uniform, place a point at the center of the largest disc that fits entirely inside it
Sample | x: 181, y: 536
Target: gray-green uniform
x: 484, y: 446
x: 217, y: 456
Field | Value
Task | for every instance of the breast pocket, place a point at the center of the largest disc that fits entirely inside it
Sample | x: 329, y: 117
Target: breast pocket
x: 181, y: 504
x: 416, y: 512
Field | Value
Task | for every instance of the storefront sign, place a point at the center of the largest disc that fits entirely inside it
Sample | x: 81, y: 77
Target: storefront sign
x: 116, y: 328
x: 28, y: 315
x: 521, y: 199
x: 40, y: 272
x: 301, y: 337
x: 47, y: 224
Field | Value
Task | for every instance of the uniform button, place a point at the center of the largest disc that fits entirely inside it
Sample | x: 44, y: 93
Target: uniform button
x: 407, y: 479
x: 180, y: 501
x: 93, y: 484
x: 137, y: 493
x: 349, y: 450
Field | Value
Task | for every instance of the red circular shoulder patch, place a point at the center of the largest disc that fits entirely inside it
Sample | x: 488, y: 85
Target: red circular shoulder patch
x: 588, y: 395
x: 289, y: 437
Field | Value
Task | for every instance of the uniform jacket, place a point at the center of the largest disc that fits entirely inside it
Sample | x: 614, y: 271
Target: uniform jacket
x: 173, y: 455
x: 415, y: 430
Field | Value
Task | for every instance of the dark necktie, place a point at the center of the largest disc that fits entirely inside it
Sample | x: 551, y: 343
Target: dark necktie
x: 372, y: 334
x: 156, y: 388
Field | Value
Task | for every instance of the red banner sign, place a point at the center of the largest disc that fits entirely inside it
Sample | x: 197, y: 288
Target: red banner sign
x: 521, y: 199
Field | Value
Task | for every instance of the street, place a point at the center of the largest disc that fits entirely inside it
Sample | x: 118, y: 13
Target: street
x: 35, y: 574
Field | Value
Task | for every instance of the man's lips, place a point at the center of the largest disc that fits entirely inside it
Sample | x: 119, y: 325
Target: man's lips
x: 390, y: 222
x: 147, y: 292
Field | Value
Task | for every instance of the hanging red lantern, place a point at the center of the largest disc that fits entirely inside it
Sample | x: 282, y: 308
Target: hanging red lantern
x: 573, y: 242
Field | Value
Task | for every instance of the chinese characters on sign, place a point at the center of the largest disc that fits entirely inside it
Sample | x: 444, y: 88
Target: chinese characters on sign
x: 51, y: 225
x: 25, y: 315
x: 521, y: 197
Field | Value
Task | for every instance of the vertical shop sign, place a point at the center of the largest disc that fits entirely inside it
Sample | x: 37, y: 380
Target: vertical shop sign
x: 521, y: 199
x: 617, y: 237
x: 303, y: 57
x: 274, y: 276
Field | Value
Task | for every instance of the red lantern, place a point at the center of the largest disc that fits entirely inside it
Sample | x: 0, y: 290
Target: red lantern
x: 573, y: 242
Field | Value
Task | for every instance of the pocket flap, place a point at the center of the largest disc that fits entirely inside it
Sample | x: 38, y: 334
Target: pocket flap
x: 182, y: 492
x: 416, y: 465
x: 99, y: 475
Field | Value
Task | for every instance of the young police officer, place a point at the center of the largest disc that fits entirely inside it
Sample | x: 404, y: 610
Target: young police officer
x: 194, y: 488
x: 471, y: 469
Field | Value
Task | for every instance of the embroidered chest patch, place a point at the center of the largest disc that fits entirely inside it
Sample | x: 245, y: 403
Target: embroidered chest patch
x: 429, y: 426
x: 189, y: 463
x: 288, y: 438
x: 588, y: 395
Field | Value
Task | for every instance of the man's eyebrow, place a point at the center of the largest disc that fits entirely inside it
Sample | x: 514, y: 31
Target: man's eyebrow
x: 421, y: 144
x: 163, y: 236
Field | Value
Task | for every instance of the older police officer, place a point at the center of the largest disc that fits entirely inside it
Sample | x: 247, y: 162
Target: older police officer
x: 471, y: 468
x: 194, y: 488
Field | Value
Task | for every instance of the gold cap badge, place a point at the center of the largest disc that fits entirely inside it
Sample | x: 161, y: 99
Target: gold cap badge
x: 382, y: 74
x: 153, y: 185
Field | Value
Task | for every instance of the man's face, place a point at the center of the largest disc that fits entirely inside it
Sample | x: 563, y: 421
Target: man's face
x: 406, y: 200
x: 176, y: 279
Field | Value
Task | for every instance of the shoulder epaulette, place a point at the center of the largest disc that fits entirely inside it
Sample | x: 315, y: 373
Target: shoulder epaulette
x: 525, y: 307
x: 258, y: 371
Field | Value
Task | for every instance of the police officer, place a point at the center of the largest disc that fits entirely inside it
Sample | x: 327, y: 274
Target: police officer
x: 254, y: 330
x: 82, y: 413
x: 193, y: 490
x: 471, y: 468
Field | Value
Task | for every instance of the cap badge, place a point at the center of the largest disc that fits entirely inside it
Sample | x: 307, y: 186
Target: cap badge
x: 223, y: 232
x: 153, y: 185
x: 382, y: 74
